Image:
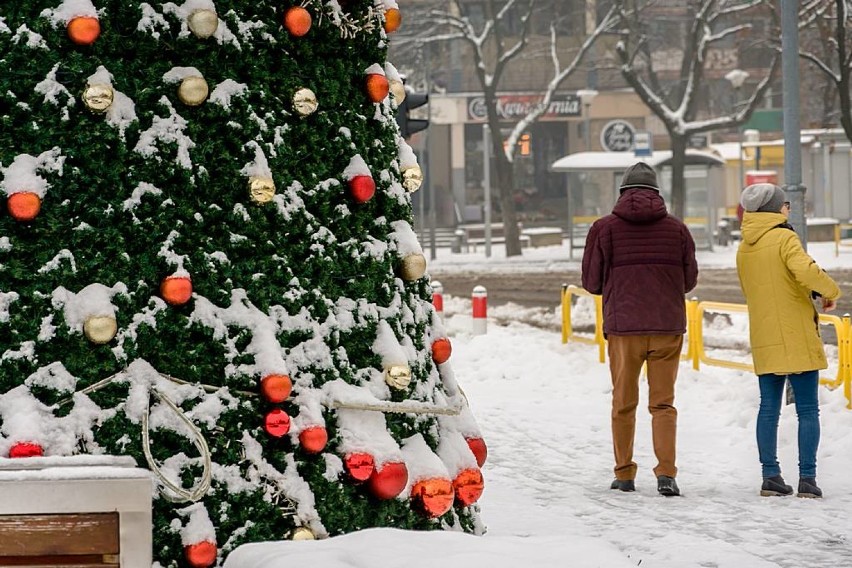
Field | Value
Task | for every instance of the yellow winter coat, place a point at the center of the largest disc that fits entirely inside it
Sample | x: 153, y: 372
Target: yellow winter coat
x: 777, y: 277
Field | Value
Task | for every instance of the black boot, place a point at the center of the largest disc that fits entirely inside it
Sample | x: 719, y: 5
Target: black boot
x: 667, y: 486
x: 808, y: 488
x: 775, y: 487
x: 623, y: 485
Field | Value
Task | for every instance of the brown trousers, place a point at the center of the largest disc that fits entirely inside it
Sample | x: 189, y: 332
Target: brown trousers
x: 627, y: 354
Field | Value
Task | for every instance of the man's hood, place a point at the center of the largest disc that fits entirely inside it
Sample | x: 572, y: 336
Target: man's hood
x: 640, y: 206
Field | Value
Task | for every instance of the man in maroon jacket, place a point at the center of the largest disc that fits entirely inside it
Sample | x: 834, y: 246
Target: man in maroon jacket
x: 642, y: 260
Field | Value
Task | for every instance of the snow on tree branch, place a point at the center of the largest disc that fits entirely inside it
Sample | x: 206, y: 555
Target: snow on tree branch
x: 559, y: 75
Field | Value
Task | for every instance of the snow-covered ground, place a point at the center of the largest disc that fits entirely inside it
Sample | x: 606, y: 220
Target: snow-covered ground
x: 544, y: 410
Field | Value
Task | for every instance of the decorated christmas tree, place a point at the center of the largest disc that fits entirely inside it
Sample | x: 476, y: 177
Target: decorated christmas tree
x: 207, y: 263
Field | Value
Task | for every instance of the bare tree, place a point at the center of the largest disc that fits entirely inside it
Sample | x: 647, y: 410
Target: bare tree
x: 493, y: 49
x: 676, y: 103
x: 835, y: 59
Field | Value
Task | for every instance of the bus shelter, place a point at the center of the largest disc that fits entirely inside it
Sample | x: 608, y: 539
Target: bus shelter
x: 594, y: 177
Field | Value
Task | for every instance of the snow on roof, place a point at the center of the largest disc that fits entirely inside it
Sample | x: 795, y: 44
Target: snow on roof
x: 728, y: 151
x: 584, y: 161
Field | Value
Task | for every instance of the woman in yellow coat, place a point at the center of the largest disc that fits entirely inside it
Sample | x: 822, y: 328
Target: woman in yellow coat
x: 780, y: 281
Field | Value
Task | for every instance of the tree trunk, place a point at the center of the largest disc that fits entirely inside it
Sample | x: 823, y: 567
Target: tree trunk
x: 505, y: 185
x: 678, y: 182
x: 506, y: 182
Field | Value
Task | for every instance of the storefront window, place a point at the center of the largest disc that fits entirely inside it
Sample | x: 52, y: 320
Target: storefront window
x: 538, y: 193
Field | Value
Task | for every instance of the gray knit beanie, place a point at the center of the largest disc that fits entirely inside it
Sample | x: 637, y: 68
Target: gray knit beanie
x: 763, y: 197
x: 641, y: 175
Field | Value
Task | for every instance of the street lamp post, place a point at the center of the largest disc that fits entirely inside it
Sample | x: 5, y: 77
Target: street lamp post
x: 586, y: 97
x: 737, y: 77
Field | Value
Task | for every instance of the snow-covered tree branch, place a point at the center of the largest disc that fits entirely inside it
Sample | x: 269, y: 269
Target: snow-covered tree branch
x: 675, y: 100
x: 836, y: 59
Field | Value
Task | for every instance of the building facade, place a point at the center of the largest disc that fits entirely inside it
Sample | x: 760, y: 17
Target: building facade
x: 453, y: 151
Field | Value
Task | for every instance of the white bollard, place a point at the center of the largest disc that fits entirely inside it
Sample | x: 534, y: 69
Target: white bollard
x: 480, y: 310
x: 438, y: 298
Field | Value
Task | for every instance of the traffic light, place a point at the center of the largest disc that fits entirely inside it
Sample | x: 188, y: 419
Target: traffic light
x: 407, y: 125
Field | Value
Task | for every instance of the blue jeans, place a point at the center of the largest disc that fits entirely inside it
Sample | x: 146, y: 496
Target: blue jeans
x: 807, y: 408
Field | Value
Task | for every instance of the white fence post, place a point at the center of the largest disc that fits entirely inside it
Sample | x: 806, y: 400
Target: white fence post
x: 438, y: 298
x: 480, y: 310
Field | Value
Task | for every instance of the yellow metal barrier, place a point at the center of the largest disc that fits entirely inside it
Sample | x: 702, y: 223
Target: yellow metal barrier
x: 691, y: 323
x: 844, y: 344
x: 838, y: 232
x: 701, y: 355
x: 580, y: 219
x: 567, y: 331
x: 695, y: 333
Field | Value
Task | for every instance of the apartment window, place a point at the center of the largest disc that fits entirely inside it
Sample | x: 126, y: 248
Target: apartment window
x: 475, y: 13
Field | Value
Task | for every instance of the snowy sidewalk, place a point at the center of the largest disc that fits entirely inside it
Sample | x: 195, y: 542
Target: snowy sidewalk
x: 544, y: 410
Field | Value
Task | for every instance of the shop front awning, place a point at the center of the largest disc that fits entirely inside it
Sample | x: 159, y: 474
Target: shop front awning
x: 620, y: 161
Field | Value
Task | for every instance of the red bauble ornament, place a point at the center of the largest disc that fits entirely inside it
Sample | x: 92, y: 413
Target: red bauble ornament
x: 389, y: 481
x: 433, y: 496
x: 23, y: 205
x: 200, y: 555
x: 297, y: 20
x: 176, y: 290
x: 377, y: 87
x: 359, y: 466
x: 393, y: 19
x: 468, y: 486
x: 276, y: 423
x: 25, y: 450
x: 362, y: 188
x: 84, y: 30
x: 477, y: 446
x: 313, y: 439
x: 441, y: 350
x: 276, y: 388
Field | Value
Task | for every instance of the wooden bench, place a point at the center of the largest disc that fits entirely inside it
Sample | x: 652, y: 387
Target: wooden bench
x: 84, y: 540
x: 821, y: 230
x: 543, y: 236
x: 81, y: 511
x: 473, y: 234
x: 473, y: 243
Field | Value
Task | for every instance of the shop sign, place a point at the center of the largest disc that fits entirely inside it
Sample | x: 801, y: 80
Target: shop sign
x: 642, y: 143
x: 697, y: 141
x: 516, y: 107
x: 618, y: 136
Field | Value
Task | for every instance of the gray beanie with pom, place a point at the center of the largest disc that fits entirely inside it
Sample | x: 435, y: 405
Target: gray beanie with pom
x: 763, y: 197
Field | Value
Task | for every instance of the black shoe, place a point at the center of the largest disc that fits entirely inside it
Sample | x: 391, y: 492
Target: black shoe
x: 667, y: 486
x: 623, y: 485
x: 775, y: 487
x: 808, y: 488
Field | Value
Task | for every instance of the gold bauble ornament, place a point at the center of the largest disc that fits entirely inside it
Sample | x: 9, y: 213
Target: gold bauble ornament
x: 193, y: 91
x: 302, y: 533
x: 397, y: 89
x: 203, y: 23
x: 398, y: 376
x: 100, y: 329
x: 413, y: 267
x: 98, y: 97
x: 261, y: 189
x: 305, y: 102
x: 412, y: 178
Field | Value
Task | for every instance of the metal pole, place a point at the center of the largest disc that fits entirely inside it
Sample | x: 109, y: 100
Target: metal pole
x: 433, y: 247
x: 792, y: 131
x: 486, y: 185
x: 570, y: 222
x: 587, y: 128
x: 421, y: 221
x: 741, y: 182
